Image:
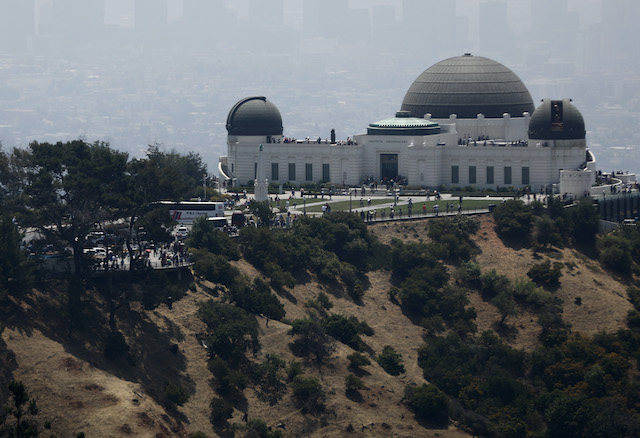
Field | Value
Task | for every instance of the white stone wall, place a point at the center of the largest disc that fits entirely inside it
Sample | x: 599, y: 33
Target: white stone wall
x: 576, y: 183
x: 424, y: 160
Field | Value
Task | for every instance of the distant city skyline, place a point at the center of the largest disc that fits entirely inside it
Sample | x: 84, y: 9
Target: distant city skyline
x: 90, y: 68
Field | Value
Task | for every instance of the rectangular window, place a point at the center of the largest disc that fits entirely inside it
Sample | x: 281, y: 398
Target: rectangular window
x: 507, y: 175
x: 292, y: 171
x: 325, y: 173
x: 308, y: 172
x: 472, y: 174
x: 525, y: 175
x: 489, y: 174
x: 275, y: 174
x: 255, y: 170
x: 454, y: 174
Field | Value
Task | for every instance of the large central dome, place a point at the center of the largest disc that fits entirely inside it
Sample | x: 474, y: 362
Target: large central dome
x: 467, y: 86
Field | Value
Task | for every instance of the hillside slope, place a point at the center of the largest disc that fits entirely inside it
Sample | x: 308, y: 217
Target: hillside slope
x: 80, y: 391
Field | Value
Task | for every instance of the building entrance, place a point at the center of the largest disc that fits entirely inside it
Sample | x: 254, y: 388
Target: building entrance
x: 388, y: 166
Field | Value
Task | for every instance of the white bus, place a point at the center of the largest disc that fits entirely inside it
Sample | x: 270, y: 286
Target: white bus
x: 188, y: 211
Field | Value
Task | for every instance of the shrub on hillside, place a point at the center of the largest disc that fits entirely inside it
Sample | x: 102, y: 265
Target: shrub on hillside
x: 492, y: 284
x: 451, y: 237
x: 526, y: 292
x: 294, y: 369
x: 214, y: 267
x: 177, y: 394
x: 468, y: 274
x: 390, y: 361
x: 257, y: 428
x: 615, y: 253
x: 357, y: 360
x: 308, y: 392
x: 204, y: 235
x: 546, y: 274
x: 347, y: 329
x: 353, y: 382
x: 257, y: 298
x: 230, y: 381
x: 548, y: 232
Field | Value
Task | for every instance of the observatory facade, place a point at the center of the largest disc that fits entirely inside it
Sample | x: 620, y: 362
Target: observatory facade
x: 465, y: 121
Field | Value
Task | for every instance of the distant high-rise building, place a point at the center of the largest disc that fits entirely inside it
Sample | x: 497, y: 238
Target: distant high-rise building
x: 384, y: 25
x: 17, y: 24
x: 81, y: 19
x: 554, y: 27
x: 325, y: 18
x: 495, y: 34
x: 431, y: 22
x: 266, y: 13
x: 620, y: 30
x: 203, y: 22
x: 151, y: 19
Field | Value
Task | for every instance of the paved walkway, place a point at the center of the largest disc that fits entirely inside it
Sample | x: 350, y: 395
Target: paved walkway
x: 304, y: 205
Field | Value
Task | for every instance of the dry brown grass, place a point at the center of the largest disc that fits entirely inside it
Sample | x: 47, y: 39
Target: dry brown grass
x: 81, y: 392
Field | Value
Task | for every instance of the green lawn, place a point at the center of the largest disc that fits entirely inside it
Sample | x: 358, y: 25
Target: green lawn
x: 386, y: 203
x: 344, y: 205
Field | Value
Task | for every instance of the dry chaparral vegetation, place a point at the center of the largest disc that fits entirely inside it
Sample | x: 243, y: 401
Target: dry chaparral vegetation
x: 78, y: 390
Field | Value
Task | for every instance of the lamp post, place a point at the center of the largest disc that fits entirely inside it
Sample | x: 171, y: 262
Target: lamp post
x: 350, y: 200
x: 304, y: 207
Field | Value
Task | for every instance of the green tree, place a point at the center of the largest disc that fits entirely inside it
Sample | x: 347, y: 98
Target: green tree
x: 159, y: 176
x: 257, y: 428
x: 221, y: 411
x: 506, y: 305
x: 429, y: 403
x: 17, y: 419
x: 546, y: 232
x: 311, y: 339
x: 16, y: 271
x: 267, y: 375
x: 615, y: 253
x: 584, y: 222
x: 347, y: 329
x: 177, y: 394
x: 513, y: 220
x: 231, y: 330
x: 204, y: 235
x: 257, y: 298
x: 452, y: 237
x: 70, y: 187
x: 545, y: 274
x: 262, y: 211
x: 215, y: 267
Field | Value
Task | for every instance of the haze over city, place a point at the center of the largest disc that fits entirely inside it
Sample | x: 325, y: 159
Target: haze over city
x: 138, y: 72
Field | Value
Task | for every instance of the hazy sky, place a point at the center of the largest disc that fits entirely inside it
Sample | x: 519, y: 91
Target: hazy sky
x: 343, y: 66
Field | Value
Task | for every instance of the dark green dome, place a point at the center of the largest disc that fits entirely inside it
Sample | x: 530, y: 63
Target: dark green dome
x: 254, y: 116
x: 403, y: 124
x: 467, y: 86
x: 556, y: 120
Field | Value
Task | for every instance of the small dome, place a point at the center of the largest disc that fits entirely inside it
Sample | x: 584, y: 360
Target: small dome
x: 254, y: 116
x: 403, y: 124
x: 467, y: 86
x: 556, y: 120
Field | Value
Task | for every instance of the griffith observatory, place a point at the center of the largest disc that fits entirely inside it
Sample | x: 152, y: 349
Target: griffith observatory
x: 465, y: 121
